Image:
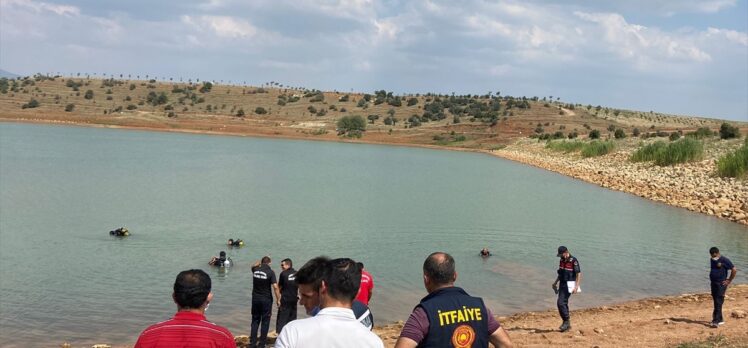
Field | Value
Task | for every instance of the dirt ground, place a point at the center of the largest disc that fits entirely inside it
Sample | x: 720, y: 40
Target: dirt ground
x: 655, y: 322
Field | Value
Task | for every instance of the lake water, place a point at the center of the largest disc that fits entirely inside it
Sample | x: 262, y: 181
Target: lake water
x: 63, y: 278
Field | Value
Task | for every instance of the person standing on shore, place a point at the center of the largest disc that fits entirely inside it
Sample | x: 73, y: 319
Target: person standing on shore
x: 188, y: 328
x: 719, y: 282
x: 263, y: 278
x: 367, y: 286
x: 335, y: 326
x: 448, y: 316
x: 289, y: 295
x: 309, y: 279
x: 570, y: 277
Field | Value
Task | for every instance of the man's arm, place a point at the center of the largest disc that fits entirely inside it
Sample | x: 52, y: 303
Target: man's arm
x: 577, y: 283
x: 500, y: 338
x: 733, y: 273
x: 277, y: 294
x: 404, y: 342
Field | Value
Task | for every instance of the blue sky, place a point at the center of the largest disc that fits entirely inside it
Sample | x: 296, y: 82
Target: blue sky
x: 675, y: 56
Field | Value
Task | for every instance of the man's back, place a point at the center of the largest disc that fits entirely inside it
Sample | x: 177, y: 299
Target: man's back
x: 287, y: 283
x: 262, y: 278
x: 332, y: 327
x: 186, y: 330
x: 367, y: 285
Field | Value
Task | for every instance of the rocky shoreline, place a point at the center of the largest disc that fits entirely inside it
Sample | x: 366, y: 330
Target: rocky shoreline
x: 690, y: 185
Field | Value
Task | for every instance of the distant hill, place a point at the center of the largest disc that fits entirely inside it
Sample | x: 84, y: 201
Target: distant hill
x: 7, y: 74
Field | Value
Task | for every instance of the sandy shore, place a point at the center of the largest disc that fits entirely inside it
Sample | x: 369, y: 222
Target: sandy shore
x: 653, y: 322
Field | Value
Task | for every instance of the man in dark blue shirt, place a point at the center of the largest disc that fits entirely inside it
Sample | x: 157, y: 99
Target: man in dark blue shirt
x: 719, y: 281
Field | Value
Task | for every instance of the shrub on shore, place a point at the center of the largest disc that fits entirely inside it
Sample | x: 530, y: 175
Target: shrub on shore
x: 648, y: 152
x: 351, y: 125
x: 594, y: 134
x: 680, y: 151
x: 598, y: 148
x: 728, y: 131
x: 734, y: 165
x: 564, y: 146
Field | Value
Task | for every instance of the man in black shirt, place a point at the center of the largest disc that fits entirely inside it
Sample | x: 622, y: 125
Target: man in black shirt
x: 289, y: 295
x: 263, y: 278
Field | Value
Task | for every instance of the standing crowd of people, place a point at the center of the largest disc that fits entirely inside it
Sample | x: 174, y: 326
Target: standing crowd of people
x: 335, y: 294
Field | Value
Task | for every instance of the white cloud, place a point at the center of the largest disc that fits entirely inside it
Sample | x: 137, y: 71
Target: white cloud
x: 641, y: 44
x: 730, y: 35
x: 61, y: 10
x: 221, y: 26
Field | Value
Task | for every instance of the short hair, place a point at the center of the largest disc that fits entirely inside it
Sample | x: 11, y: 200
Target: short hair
x: 191, y: 288
x: 313, y: 272
x: 231, y: 239
x: 222, y: 254
x: 440, y: 268
x: 344, y: 279
x: 288, y: 262
x: 360, y: 264
x: 265, y: 259
x: 713, y: 250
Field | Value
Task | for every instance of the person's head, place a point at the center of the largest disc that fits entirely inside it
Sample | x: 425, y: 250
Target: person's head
x: 309, y: 279
x: 286, y: 264
x: 563, y: 252
x: 360, y: 265
x: 439, y: 271
x: 265, y: 260
x: 341, y: 282
x: 231, y: 241
x: 222, y: 255
x: 714, y: 252
x: 192, y: 290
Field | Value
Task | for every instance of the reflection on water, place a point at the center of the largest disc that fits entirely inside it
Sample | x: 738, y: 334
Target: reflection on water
x: 63, y: 278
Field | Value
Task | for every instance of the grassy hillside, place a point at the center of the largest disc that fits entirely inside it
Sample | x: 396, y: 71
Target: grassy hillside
x: 471, y: 121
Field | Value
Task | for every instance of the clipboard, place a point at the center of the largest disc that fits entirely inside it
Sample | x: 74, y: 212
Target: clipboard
x: 570, y: 286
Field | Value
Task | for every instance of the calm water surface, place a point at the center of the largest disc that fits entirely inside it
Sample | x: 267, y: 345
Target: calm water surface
x: 63, y: 278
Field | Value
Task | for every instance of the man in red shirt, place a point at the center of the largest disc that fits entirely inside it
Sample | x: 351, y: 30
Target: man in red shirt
x: 367, y: 286
x: 188, y: 328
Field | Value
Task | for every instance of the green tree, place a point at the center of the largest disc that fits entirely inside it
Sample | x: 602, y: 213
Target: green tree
x: 728, y: 131
x: 206, y: 87
x: 69, y: 107
x: 594, y: 134
x: 619, y: 134
x: 89, y: 94
x: 260, y: 110
x: 412, y: 101
x: 351, y: 124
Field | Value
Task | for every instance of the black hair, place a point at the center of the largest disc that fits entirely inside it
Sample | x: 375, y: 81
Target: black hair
x: 360, y: 264
x: 265, y: 259
x: 344, y: 279
x: 713, y: 250
x: 288, y: 261
x: 191, y: 288
x: 313, y: 272
x: 440, y: 268
x: 222, y: 254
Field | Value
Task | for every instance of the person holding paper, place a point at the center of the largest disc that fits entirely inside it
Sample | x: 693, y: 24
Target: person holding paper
x: 720, y: 266
x: 569, y: 277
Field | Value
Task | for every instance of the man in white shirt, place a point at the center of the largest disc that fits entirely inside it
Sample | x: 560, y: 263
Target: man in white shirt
x: 335, y: 325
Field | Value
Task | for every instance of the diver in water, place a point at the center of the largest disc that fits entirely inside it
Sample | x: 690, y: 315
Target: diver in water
x: 220, y: 261
x: 235, y: 243
x: 485, y: 253
x: 120, y: 232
